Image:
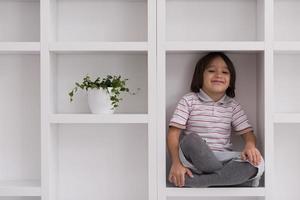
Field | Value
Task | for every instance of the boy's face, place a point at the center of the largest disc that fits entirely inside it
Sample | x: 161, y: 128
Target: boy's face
x: 216, y: 77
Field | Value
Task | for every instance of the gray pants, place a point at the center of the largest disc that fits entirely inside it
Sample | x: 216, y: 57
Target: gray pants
x: 210, y: 171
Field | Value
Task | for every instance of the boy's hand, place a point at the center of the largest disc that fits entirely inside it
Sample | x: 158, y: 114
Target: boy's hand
x: 252, y: 154
x: 177, y: 174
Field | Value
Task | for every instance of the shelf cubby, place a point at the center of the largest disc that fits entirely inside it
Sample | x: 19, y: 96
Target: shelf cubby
x: 286, y: 20
x: 286, y: 64
x: 93, y: 160
x: 218, y: 20
x: 68, y: 68
x: 249, y: 68
x: 286, y: 149
x: 20, y: 21
x: 20, y: 148
x: 127, y: 20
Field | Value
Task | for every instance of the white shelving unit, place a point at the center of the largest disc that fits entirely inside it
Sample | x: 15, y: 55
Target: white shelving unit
x: 51, y: 149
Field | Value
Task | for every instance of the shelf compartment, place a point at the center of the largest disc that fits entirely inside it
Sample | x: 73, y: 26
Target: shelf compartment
x: 99, y: 46
x: 215, y: 192
x: 20, y: 151
x: 286, y: 19
x: 287, y: 118
x: 19, y: 21
x: 19, y: 47
x: 286, y: 160
x: 68, y: 68
x: 127, y: 20
x: 215, y: 46
x: 249, y: 69
x: 103, y: 157
x: 20, y: 188
x: 99, y: 119
x: 286, y: 64
x: 233, y: 20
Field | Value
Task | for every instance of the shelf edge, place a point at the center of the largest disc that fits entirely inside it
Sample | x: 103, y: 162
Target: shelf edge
x: 97, y: 46
x: 213, y: 46
x: 98, y: 119
x: 286, y: 46
x: 215, y: 192
x: 19, y: 47
x: 287, y: 118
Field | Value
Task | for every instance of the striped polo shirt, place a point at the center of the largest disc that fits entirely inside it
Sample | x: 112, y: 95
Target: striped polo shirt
x: 213, y: 121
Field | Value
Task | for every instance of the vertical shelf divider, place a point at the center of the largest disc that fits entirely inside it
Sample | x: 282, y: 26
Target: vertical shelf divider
x: 269, y: 98
x: 161, y: 98
x: 48, y: 169
x: 152, y: 97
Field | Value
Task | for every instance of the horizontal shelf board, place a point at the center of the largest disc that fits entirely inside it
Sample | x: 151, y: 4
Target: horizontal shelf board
x: 287, y: 46
x: 98, y: 46
x: 287, y: 118
x: 213, y: 46
x: 19, y: 47
x: 98, y: 118
x: 215, y: 192
x: 20, y: 188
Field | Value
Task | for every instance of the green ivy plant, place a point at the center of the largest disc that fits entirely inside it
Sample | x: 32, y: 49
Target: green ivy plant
x: 114, y: 85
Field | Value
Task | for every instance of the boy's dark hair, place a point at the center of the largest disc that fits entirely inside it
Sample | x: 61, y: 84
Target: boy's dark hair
x: 203, y: 63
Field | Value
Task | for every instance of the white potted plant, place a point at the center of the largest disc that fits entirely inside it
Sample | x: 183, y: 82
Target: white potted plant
x: 103, y: 94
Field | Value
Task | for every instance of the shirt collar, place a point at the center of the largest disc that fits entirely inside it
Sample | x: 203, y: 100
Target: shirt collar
x: 204, y: 97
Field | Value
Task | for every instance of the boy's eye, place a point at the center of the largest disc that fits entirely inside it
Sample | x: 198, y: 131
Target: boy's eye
x: 211, y: 70
x: 225, y: 72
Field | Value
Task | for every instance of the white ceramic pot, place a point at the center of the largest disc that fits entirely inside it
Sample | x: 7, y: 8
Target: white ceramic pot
x: 99, y: 101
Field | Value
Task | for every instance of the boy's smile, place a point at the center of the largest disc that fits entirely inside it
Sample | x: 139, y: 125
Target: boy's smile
x: 216, y: 79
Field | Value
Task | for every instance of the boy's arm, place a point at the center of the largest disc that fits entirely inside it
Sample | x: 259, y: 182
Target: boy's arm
x: 177, y: 171
x: 250, y: 151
